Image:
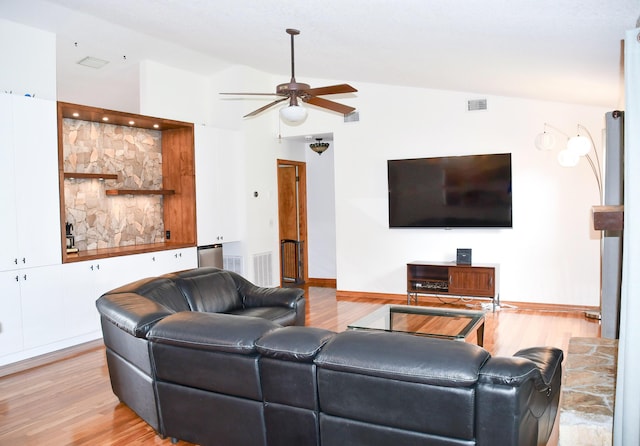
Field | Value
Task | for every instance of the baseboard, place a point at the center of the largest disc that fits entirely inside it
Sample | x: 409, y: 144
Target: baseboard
x: 324, y: 283
x: 49, y: 358
x: 426, y: 299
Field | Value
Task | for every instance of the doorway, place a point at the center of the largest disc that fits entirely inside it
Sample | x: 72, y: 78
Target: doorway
x: 292, y: 221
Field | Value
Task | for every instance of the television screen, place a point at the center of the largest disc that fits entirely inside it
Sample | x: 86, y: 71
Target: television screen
x: 450, y: 192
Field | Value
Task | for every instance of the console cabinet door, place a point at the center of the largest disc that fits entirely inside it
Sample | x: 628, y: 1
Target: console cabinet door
x: 472, y: 281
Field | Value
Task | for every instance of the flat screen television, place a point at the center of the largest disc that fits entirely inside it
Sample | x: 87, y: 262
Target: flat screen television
x: 471, y: 191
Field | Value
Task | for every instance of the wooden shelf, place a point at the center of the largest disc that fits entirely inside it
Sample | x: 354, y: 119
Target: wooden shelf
x: 140, y: 191
x: 88, y: 176
x: 608, y: 218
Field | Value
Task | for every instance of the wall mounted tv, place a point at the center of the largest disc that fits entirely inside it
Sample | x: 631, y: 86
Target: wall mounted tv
x: 471, y: 191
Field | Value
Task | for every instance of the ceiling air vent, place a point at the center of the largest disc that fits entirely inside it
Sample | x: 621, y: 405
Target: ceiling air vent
x: 352, y: 117
x: 476, y: 104
x: 93, y: 62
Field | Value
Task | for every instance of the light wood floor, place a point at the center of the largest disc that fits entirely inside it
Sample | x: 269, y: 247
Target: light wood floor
x: 69, y: 400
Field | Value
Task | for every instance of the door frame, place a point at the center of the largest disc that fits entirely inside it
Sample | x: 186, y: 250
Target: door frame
x: 302, y: 214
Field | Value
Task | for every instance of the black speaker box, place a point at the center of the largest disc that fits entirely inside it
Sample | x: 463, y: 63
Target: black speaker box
x: 463, y: 256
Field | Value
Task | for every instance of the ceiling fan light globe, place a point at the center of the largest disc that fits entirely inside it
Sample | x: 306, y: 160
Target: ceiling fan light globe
x: 293, y: 114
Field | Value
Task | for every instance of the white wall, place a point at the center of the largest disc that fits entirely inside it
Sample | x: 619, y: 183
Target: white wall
x: 171, y: 93
x: 550, y: 256
x: 28, y: 60
x: 321, y: 207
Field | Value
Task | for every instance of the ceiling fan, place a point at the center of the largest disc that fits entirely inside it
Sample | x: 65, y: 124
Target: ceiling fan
x: 294, y: 92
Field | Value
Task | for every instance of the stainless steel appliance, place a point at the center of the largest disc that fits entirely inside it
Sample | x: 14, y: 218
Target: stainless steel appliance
x: 210, y: 255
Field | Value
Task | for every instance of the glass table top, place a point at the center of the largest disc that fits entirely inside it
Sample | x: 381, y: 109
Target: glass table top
x: 424, y: 321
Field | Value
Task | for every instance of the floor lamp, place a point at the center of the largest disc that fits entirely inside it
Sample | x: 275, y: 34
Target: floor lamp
x: 577, y: 147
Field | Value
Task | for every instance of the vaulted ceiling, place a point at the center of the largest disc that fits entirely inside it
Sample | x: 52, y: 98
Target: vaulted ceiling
x: 569, y: 51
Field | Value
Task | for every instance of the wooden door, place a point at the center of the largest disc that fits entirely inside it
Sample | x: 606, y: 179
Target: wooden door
x: 292, y: 214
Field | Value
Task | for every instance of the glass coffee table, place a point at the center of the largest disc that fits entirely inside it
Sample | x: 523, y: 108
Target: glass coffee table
x: 425, y: 321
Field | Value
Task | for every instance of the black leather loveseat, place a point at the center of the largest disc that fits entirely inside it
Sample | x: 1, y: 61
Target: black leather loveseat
x: 228, y: 379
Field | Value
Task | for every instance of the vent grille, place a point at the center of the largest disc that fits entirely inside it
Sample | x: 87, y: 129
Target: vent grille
x: 233, y: 263
x: 262, y: 269
x: 476, y: 104
x: 352, y: 117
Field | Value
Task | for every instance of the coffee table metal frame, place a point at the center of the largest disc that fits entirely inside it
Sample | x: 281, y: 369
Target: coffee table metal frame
x: 382, y: 320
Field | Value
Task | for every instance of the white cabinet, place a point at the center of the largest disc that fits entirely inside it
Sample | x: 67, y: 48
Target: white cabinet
x: 52, y: 307
x: 44, y: 316
x: 10, y: 313
x: 87, y: 281
x: 174, y: 260
x: 30, y: 218
x: 219, y: 185
x: 32, y: 313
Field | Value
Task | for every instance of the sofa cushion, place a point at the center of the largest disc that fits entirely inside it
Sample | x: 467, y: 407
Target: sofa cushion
x: 209, y: 290
x: 404, y: 357
x: 211, y: 331
x: 279, y: 315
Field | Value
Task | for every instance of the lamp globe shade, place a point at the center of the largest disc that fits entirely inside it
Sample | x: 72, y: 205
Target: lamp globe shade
x: 568, y: 158
x: 580, y: 145
x: 545, y: 141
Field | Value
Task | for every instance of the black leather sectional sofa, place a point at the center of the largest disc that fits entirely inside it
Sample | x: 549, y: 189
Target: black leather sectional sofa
x: 200, y: 369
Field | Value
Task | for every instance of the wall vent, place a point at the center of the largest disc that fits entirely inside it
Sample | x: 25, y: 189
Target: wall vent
x: 233, y: 263
x: 476, y: 104
x: 354, y: 116
x: 262, y: 269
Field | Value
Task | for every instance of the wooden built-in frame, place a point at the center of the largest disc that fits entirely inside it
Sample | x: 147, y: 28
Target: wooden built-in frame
x: 178, y: 178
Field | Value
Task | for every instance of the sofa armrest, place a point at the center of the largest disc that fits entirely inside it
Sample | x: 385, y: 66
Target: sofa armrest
x: 547, y: 359
x: 539, y: 364
x: 256, y: 296
x: 131, y: 312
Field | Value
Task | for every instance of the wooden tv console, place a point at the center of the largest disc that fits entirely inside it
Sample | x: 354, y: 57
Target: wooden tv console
x: 481, y: 281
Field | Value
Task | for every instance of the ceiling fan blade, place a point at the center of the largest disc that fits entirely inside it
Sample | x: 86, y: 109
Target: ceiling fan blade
x: 261, y: 109
x: 331, y: 105
x: 254, y: 94
x: 332, y: 89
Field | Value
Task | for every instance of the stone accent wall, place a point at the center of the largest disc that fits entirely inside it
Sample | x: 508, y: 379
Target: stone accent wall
x: 135, y: 155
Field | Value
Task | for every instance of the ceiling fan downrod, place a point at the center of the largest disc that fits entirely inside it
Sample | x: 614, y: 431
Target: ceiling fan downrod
x: 292, y: 32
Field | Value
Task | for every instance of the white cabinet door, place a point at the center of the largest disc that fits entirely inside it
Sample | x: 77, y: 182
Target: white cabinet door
x: 87, y: 281
x: 8, y: 218
x: 44, y: 318
x: 84, y: 287
x: 37, y: 186
x: 175, y: 260
x: 230, y: 185
x: 10, y: 314
x: 219, y: 185
x: 30, y: 219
